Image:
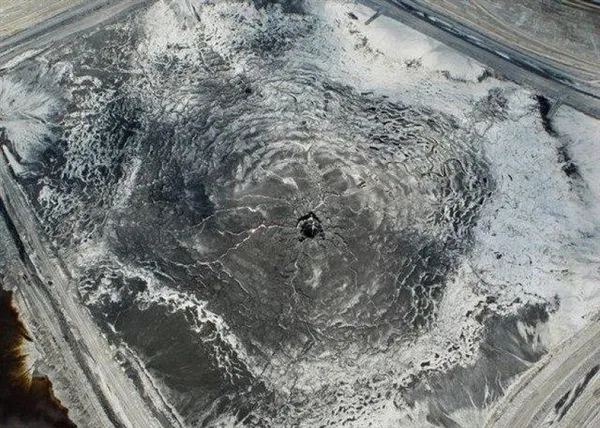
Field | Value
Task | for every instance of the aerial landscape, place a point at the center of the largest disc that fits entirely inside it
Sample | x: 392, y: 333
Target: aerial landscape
x: 300, y: 213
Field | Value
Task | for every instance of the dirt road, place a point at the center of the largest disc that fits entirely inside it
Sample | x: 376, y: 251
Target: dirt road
x: 19, y: 15
x: 562, y: 390
x: 562, y: 78
x: 52, y: 28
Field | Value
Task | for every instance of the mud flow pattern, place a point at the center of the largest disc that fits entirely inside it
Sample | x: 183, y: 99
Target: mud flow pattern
x: 245, y: 225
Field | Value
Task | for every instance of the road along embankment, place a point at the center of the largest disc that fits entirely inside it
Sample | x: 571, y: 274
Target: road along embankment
x: 18, y: 15
x: 510, y: 61
x: 44, y: 33
x: 561, y: 390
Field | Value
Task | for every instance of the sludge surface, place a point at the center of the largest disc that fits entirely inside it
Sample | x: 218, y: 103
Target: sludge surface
x: 176, y: 194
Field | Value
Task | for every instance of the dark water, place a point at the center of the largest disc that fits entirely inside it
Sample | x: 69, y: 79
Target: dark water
x: 25, y: 400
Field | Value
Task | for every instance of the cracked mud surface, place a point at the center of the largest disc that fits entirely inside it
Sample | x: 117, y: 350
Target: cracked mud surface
x: 217, y: 208
x: 271, y: 240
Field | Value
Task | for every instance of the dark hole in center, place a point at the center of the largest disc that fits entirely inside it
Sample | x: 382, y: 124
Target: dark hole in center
x: 310, y: 226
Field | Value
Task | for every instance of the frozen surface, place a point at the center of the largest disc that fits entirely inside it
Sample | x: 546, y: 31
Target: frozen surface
x: 294, y: 219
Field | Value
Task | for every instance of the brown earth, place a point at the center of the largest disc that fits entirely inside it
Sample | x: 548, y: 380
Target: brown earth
x: 25, y: 400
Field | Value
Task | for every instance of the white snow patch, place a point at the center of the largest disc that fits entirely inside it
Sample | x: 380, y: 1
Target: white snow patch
x: 126, y: 185
x: 16, y: 167
x: 546, y: 234
x: 13, y: 62
x: 25, y: 114
x: 387, y: 52
x: 163, y: 32
x: 583, y: 133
